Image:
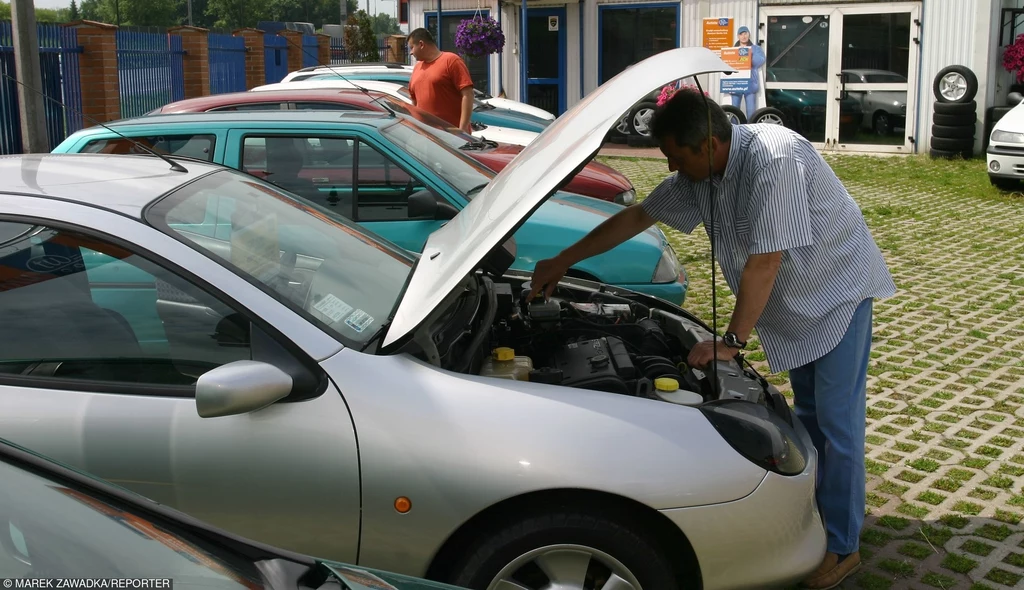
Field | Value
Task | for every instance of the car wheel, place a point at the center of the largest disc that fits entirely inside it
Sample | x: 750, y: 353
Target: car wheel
x: 769, y: 115
x: 881, y: 124
x: 566, y: 550
x: 955, y: 84
x: 640, y: 119
x: 734, y: 114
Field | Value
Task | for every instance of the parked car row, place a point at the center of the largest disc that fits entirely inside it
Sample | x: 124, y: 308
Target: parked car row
x: 300, y: 333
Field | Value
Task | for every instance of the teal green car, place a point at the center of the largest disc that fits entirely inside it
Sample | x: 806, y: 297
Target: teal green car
x: 391, y: 174
x: 59, y: 522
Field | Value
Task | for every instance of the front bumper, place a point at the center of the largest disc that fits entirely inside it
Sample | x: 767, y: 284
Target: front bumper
x: 1004, y: 162
x: 774, y: 537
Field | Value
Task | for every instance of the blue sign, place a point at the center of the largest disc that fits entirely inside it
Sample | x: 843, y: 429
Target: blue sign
x: 723, y: 22
x: 735, y: 86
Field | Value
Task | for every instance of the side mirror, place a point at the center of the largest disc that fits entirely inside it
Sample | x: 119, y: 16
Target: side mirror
x: 425, y: 203
x: 239, y: 388
x: 1014, y: 99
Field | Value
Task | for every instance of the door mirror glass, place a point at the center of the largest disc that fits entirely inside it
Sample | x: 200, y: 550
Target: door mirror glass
x: 239, y: 388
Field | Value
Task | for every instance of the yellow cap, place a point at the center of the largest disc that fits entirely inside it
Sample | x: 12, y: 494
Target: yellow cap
x: 503, y: 353
x: 666, y: 384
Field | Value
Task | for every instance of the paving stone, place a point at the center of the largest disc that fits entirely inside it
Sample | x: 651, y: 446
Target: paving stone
x: 945, y: 444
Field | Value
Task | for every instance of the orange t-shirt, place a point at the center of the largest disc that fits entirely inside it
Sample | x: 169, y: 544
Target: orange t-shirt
x: 436, y: 86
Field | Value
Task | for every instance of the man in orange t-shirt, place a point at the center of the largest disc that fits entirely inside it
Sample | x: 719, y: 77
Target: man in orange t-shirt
x: 440, y: 82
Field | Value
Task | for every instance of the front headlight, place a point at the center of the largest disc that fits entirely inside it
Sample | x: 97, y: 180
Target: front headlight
x: 1007, y: 137
x: 667, y: 270
x: 626, y: 198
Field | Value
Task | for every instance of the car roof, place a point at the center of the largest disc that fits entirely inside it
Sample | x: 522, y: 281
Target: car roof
x: 341, y: 95
x: 121, y: 183
x: 283, y: 118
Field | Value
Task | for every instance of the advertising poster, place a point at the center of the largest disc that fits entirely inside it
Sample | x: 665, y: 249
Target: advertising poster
x: 718, y: 33
x: 744, y: 86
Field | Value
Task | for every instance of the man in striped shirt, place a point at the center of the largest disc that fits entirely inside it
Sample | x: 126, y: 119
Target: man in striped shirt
x: 794, y: 249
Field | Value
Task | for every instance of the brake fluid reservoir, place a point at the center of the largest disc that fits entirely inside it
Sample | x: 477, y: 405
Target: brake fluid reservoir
x: 504, y: 364
x: 667, y: 389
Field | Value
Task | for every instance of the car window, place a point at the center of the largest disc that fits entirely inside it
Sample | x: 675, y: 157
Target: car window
x: 345, y: 175
x: 50, y: 529
x: 884, y: 79
x: 199, y: 146
x: 306, y: 256
x: 426, y: 145
x: 74, y: 307
x: 324, y: 106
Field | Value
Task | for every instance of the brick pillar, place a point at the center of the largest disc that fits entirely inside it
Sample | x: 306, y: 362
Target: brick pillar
x: 255, y: 57
x: 324, y: 45
x: 396, y: 48
x: 101, y: 94
x: 196, y: 61
x: 294, y: 48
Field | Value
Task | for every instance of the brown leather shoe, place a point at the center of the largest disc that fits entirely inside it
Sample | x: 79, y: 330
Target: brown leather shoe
x: 832, y: 572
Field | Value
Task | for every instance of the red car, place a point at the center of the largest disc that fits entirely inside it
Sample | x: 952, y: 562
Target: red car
x: 595, y: 180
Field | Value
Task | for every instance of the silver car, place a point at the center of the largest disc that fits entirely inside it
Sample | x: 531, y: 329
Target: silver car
x: 198, y: 336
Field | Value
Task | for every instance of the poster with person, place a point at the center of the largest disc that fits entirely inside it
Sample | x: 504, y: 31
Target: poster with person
x: 744, y: 86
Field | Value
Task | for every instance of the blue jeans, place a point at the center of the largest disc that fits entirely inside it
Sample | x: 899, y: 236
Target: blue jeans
x: 751, y: 102
x: 830, y: 398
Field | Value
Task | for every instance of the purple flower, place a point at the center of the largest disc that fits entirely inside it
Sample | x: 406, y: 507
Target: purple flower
x: 479, y: 36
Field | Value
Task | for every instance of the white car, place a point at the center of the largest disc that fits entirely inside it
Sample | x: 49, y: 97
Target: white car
x: 1005, y: 152
x: 498, y: 134
x: 497, y: 102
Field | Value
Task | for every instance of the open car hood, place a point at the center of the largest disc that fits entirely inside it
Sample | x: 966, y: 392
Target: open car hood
x: 494, y: 215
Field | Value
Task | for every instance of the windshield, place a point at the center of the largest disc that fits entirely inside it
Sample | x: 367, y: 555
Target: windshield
x: 433, y: 150
x: 309, y: 258
x: 48, y: 529
x: 454, y: 136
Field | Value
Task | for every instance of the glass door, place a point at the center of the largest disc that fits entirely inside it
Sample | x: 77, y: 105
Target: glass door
x: 841, y: 75
x: 546, y: 53
x: 877, y: 70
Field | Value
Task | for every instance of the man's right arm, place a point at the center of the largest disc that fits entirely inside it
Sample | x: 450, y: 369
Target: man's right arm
x: 613, y: 231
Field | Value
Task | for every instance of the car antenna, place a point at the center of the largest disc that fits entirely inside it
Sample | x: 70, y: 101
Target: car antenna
x: 711, y: 236
x: 174, y: 165
x: 342, y: 76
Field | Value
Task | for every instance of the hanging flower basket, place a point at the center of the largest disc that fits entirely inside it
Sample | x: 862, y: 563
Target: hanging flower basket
x: 1013, y: 58
x: 479, y: 36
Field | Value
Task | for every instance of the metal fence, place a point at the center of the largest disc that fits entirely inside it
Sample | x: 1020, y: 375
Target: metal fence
x: 227, y: 63
x: 150, y: 70
x: 310, y: 51
x: 275, y: 52
x: 58, y: 60
x: 341, y: 55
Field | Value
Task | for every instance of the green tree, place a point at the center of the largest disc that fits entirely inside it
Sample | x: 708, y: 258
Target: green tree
x: 385, y: 24
x: 5, y: 11
x: 360, y: 40
x: 235, y: 14
x: 73, y: 13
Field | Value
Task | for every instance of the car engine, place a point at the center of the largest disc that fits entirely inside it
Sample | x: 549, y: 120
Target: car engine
x: 598, y: 341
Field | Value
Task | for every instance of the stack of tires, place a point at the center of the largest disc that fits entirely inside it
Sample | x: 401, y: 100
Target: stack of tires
x: 954, y: 113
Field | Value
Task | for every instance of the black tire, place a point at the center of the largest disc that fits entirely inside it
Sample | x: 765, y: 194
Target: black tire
x: 490, y: 554
x: 767, y: 112
x: 955, y: 108
x: 947, y: 155
x: 954, y: 120
x: 952, y: 145
x: 632, y: 117
x: 735, y: 112
x: 1004, y: 184
x: 953, y: 131
x: 969, y: 78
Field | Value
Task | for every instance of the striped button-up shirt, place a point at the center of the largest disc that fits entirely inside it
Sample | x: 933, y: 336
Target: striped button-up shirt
x: 777, y: 194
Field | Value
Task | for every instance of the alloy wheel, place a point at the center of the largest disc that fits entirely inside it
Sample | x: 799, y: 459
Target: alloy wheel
x: 565, y: 567
x: 641, y: 120
x: 953, y: 86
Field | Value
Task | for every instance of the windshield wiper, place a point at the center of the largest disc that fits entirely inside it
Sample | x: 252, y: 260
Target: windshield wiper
x: 476, y: 189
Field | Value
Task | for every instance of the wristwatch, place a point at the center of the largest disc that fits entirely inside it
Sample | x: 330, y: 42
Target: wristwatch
x: 732, y: 341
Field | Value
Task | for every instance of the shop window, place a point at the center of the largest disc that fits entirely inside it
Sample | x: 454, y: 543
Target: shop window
x: 632, y: 34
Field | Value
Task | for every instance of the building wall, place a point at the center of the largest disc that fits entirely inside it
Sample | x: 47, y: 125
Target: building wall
x: 964, y: 32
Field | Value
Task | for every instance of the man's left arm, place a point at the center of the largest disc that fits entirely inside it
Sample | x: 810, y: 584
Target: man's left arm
x: 464, y: 82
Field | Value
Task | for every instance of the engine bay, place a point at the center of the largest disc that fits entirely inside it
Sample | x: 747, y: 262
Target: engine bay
x: 583, y: 339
